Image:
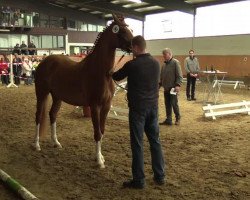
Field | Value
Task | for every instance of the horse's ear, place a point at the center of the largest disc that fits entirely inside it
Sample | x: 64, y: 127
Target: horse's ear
x: 119, y: 19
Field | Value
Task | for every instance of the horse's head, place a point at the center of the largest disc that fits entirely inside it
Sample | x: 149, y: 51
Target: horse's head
x: 122, y: 34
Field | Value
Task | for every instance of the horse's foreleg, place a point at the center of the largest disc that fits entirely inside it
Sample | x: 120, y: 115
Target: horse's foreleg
x: 37, y: 145
x: 103, y: 116
x: 53, y: 113
x: 95, y: 116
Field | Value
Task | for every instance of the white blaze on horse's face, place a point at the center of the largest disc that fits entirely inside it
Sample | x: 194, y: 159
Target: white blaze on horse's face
x: 131, y: 30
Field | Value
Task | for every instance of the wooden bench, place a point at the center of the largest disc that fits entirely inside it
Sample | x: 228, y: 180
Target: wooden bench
x: 226, y: 109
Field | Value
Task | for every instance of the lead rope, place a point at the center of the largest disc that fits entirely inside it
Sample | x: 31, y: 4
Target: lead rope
x: 117, y: 84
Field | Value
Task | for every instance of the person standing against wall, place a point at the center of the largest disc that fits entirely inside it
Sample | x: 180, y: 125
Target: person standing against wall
x: 143, y: 74
x: 192, y: 68
x: 171, y: 80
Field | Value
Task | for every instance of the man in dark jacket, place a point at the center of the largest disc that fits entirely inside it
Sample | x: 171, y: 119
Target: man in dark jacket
x: 24, y: 48
x: 17, y: 69
x: 143, y: 92
x: 32, y: 50
x: 16, y: 50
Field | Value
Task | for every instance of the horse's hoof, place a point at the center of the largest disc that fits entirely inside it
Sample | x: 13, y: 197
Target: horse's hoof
x: 57, y: 145
x: 37, y: 148
x: 102, y: 158
x: 102, y: 166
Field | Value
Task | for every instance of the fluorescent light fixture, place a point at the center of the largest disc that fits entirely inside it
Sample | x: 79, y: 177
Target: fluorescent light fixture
x: 4, y: 30
x: 136, y: 1
x: 53, y: 4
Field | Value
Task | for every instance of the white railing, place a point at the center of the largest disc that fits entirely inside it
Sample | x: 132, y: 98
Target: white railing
x: 235, y: 84
x: 226, y: 109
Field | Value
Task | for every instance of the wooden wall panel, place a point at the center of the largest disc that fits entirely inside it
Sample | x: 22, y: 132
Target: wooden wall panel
x: 236, y: 66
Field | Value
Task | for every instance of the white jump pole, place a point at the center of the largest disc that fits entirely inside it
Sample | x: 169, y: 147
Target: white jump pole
x: 16, y: 187
x: 11, y: 84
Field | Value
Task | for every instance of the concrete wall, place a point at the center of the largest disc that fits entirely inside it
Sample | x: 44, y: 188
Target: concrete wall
x: 219, y: 45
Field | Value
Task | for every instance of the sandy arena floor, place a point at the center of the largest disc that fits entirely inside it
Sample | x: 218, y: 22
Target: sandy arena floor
x: 205, y: 159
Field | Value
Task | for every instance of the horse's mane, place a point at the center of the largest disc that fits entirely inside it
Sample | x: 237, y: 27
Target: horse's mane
x: 97, y: 39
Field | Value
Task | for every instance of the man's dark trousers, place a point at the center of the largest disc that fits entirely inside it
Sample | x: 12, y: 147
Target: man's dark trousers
x: 191, y: 81
x: 141, y: 120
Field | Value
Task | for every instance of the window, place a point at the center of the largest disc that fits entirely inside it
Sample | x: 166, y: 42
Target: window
x: 72, y: 25
x: 92, y: 27
x: 225, y: 19
x: 169, y: 25
x: 100, y: 28
x: 9, y: 41
x: 48, y: 41
x: 135, y: 26
x: 37, y: 40
x: 44, y: 20
x: 60, y: 42
x: 84, y: 27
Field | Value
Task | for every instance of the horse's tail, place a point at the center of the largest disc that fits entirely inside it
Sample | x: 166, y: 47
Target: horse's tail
x: 44, y: 121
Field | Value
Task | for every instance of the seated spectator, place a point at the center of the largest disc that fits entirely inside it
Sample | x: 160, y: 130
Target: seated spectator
x: 24, y: 48
x: 16, y: 50
x: 32, y: 47
x: 4, y: 72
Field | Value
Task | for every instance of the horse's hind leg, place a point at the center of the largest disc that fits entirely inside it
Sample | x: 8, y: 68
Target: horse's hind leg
x: 40, y: 115
x: 52, y: 114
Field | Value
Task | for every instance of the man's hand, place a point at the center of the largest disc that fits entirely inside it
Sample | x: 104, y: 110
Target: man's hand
x: 177, y: 89
x: 193, y: 75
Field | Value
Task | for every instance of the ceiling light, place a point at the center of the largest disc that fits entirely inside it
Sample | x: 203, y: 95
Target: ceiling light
x: 4, y: 30
x: 136, y: 1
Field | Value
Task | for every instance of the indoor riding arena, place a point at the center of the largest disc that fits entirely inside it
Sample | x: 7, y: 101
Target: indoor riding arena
x: 206, y: 159
x: 206, y: 156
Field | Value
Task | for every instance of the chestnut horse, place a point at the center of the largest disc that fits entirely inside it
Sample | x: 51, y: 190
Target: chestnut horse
x: 85, y: 83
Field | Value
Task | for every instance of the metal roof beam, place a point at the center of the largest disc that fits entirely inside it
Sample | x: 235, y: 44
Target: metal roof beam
x: 107, y: 7
x: 179, y: 5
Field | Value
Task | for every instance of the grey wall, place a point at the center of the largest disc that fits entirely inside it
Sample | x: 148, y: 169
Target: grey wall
x: 217, y: 45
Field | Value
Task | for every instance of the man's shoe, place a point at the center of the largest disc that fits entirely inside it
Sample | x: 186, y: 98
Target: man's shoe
x: 193, y: 99
x: 166, y: 122
x: 162, y: 123
x: 133, y: 184
x: 159, y: 181
x: 177, y: 122
x: 189, y: 99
